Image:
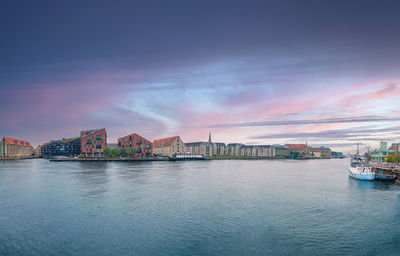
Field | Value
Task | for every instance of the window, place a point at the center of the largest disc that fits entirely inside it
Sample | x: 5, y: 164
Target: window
x: 98, y: 137
x: 89, y: 142
x: 148, y: 146
x: 98, y: 146
x: 139, y: 142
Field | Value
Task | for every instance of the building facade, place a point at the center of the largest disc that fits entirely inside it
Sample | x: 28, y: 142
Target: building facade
x: 298, y: 150
x: 201, y: 148
x: 144, y: 148
x: 257, y: 150
x: 219, y: 148
x: 395, y: 147
x: 281, y: 151
x: 315, y: 152
x: 233, y: 149
x: 14, y: 148
x: 170, y: 146
x: 93, y: 142
x: 64, y: 147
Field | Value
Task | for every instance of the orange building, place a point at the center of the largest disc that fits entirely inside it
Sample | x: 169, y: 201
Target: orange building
x: 144, y: 147
x: 93, y: 142
x: 13, y: 148
x: 298, y: 150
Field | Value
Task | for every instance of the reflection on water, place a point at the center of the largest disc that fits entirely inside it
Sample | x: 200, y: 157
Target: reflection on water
x: 231, y: 207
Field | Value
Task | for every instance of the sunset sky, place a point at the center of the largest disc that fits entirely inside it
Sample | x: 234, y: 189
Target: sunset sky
x: 254, y: 72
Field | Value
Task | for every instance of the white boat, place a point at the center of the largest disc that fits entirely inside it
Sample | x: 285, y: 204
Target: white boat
x: 360, y: 170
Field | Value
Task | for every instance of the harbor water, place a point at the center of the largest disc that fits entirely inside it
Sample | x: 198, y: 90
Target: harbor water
x: 218, y: 207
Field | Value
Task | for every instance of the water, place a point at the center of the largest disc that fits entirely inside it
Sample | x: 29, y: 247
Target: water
x: 227, y: 207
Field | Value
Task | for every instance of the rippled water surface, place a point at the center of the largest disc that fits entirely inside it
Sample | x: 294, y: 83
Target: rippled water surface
x: 226, y: 207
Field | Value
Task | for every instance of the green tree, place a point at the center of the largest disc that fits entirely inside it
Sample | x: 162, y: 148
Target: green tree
x: 107, y: 152
x: 396, y: 158
x: 122, y: 151
x: 390, y: 158
x: 131, y: 151
x: 116, y: 152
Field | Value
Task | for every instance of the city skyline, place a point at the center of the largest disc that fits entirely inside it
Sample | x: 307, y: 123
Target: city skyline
x: 253, y: 73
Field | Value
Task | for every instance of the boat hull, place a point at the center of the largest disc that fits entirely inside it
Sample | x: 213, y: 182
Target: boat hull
x: 362, y: 176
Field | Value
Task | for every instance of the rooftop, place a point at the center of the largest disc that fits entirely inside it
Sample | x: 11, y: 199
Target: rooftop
x: 164, y: 142
x: 17, y: 142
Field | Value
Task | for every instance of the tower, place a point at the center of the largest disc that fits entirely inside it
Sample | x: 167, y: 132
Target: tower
x: 209, y: 137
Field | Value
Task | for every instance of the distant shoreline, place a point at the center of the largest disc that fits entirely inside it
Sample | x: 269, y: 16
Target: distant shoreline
x: 159, y: 159
x: 126, y: 159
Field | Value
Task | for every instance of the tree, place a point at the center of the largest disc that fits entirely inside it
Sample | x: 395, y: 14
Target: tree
x: 131, y: 151
x: 116, y: 152
x: 396, y: 158
x: 122, y: 151
x: 390, y: 158
x: 107, y: 152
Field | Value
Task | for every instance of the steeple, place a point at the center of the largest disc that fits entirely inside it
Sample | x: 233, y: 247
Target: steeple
x: 209, y: 137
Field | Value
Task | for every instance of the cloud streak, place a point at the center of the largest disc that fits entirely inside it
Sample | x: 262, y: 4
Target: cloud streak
x: 360, y: 119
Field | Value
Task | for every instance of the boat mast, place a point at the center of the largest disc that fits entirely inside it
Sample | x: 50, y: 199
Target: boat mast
x: 358, y: 149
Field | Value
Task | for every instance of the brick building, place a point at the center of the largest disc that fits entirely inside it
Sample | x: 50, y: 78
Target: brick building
x: 144, y: 147
x: 93, y: 142
x: 13, y: 148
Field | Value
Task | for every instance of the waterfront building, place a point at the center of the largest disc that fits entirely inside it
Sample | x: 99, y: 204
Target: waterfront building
x: 200, y: 148
x: 257, y: 150
x: 265, y: 151
x: 144, y: 148
x: 14, y: 148
x: 93, y: 142
x: 281, y: 151
x: 326, y: 152
x: 170, y: 146
x: 233, y: 149
x: 335, y: 154
x: 381, y: 154
x: 298, y: 150
x: 315, y: 152
x: 395, y: 146
x: 195, y: 148
x: 219, y: 148
x: 63, y: 147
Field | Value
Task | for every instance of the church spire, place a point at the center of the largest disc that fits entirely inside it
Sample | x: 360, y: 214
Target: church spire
x: 209, y: 137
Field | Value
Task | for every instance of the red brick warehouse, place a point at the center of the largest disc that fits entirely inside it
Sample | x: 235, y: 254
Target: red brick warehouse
x: 93, y: 142
x: 144, y: 147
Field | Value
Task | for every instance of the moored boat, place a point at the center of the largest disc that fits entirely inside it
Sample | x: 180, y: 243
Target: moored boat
x: 385, y: 171
x: 360, y: 170
x: 186, y: 157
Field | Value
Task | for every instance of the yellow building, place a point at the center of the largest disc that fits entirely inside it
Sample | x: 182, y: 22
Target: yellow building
x: 170, y: 146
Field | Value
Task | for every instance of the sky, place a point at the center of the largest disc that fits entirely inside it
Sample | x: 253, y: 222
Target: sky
x: 254, y: 72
